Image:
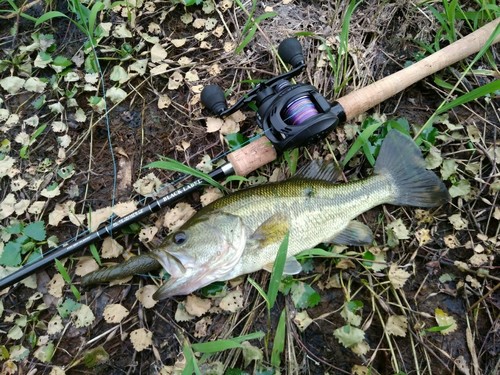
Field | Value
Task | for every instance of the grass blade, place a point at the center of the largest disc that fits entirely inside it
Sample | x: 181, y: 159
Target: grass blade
x: 220, y: 345
x: 98, y: 6
x: 360, y: 141
x: 477, y: 93
x: 49, y: 15
x: 279, y: 266
x: 191, y: 363
x: 174, y: 165
x: 259, y: 289
x: 279, y: 341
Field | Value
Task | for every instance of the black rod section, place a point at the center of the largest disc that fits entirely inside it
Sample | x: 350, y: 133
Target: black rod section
x: 73, y: 245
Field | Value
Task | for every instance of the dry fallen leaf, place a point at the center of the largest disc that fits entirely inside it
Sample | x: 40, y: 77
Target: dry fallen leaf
x: 147, y: 185
x: 56, y: 370
x: 12, y: 84
x: 164, y: 101
x: 210, y: 195
x: 158, y: 53
x: 141, y: 339
x: 181, y: 315
x: 232, y: 302
x: 214, y: 124
x: 178, y: 215
x: 7, y: 206
x: 451, y: 241
x: 443, y: 320
x: 115, y: 313
x: 147, y: 234
x: 423, y: 236
x: 478, y: 260
x: 458, y: 222
x: 111, y: 248
x: 197, y: 306
x: 399, y: 229
x: 201, y: 326
x: 55, y: 286
x: 302, y: 320
x: 83, y: 316
x: 85, y: 266
x: 97, y: 217
x: 397, y: 276
x: 145, y: 296
x: 396, y: 325
x: 55, y: 325
x: 175, y: 80
x: 124, y: 208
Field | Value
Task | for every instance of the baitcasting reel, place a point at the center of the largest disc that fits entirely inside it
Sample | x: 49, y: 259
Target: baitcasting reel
x: 290, y: 115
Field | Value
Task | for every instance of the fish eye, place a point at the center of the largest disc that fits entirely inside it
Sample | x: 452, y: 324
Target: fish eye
x: 180, y: 238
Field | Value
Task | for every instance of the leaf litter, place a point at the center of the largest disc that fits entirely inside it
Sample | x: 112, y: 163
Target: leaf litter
x: 179, y: 61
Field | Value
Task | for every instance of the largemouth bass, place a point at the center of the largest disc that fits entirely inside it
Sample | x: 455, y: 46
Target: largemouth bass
x: 241, y: 232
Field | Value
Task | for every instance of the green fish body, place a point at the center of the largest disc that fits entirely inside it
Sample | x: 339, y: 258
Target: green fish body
x: 241, y: 232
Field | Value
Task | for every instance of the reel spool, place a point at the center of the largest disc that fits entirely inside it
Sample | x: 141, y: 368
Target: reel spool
x: 291, y: 115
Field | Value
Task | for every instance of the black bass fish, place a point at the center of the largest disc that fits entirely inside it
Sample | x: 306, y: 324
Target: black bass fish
x: 241, y: 232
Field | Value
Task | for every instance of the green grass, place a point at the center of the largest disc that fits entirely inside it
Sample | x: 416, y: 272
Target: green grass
x: 339, y: 60
x: 252, y: 24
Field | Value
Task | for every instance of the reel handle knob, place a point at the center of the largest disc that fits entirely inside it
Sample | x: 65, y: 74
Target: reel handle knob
x: 213, y: 98
x: 290, y: 51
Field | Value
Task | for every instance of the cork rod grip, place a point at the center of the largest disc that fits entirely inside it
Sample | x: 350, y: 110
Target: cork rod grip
x: 361, y: 100
x: 254, y: 155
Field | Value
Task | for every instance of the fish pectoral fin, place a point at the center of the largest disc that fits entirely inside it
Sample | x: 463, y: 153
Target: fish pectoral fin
x: 292, y: 267
x: 272, y: 230
x: 355, y: 234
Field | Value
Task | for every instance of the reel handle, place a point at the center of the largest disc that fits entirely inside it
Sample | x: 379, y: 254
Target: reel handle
x: 290, y: 51
x: 213, y: 98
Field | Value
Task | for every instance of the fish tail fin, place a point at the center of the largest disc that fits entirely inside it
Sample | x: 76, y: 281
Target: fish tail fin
x: 136, y: 265
x: 401, y: 160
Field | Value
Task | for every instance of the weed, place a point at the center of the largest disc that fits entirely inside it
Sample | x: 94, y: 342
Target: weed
x: 26, y: 245
x: 208, y: 349
x: 86, y: 18
x: 174, y: 165
x: 340, y: 62
x: 67, y: 279
x: 252, y: 24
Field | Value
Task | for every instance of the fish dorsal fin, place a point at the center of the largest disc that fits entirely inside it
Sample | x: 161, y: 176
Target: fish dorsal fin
x: 292, y: 267
x: 319, y: 170
x: 273, y: 230
x: 355, y: 234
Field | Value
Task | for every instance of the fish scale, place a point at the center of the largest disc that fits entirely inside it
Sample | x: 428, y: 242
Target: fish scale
x: 312, y: 219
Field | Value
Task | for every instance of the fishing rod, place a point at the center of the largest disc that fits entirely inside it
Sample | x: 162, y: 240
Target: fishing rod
x: 290, y: 115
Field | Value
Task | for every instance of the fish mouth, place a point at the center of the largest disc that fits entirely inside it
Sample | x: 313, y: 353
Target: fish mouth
x: 185, y: 275
x: 188, y: 275
x: 183, y: 285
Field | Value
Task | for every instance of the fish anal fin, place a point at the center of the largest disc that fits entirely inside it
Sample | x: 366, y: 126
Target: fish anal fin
x: 292, y: 267
x: 273, y: 230
x: 355, y: 234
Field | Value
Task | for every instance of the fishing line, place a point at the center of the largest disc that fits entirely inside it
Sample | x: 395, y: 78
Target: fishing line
x: 299, y: 110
